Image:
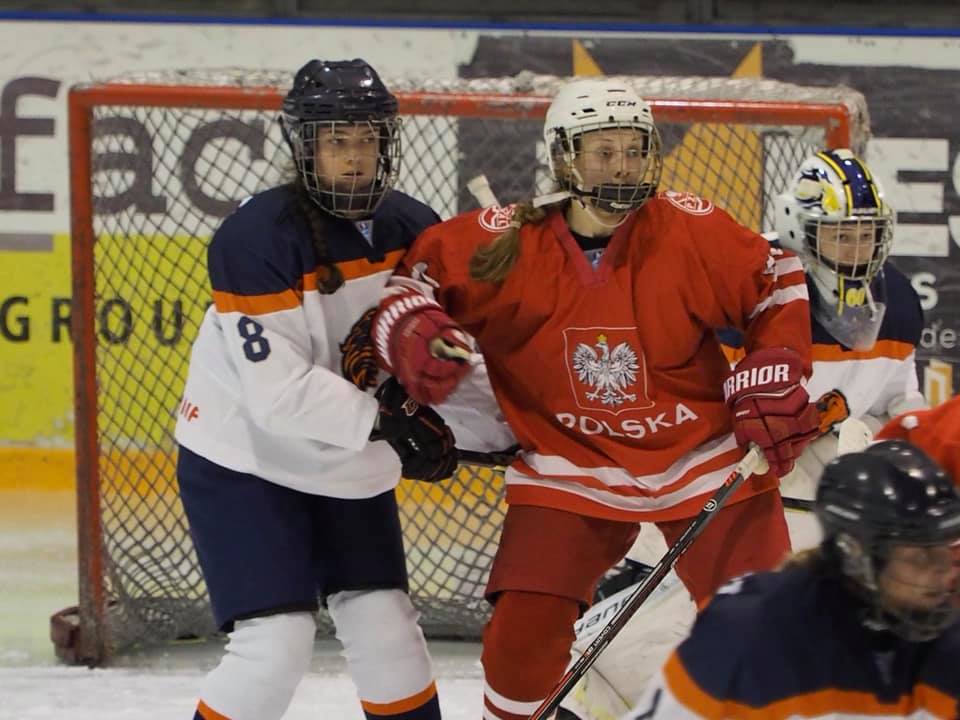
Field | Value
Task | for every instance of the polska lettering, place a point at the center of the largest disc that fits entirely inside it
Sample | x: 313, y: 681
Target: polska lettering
x: 631, y: 428
x: 754, y: 377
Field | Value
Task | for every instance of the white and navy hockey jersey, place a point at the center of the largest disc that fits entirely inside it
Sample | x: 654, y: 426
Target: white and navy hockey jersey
x: 791, y: 644
x: 872, y: 385
x: 880, y: 382
x: 265, y: 394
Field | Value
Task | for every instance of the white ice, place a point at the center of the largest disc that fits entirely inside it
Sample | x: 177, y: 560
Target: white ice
x: 38, y: 576
x: 156, y: 688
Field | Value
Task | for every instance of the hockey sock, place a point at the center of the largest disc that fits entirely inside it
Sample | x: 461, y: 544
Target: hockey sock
x: 386, y: 654
x: 526, y: 648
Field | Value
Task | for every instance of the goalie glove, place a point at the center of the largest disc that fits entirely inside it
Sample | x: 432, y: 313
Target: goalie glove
x: 422, y: 346
x: 418, y: 435
x: 771, y: 407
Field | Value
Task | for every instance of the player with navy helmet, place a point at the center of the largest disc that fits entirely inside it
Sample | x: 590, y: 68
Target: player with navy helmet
x: 288, y: 465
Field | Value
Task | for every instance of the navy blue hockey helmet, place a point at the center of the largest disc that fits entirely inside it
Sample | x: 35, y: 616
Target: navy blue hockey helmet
x: 325, y: 97
x: 891, y: 516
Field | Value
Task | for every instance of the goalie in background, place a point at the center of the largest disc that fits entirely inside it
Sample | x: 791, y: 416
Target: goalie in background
x: 866, y: 624
x: 866, y: 323
x: 594, y: 312
x: 288, y: 458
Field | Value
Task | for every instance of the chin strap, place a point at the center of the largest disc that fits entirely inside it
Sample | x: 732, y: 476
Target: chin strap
x: 553, y: 198
x: 591, y: 211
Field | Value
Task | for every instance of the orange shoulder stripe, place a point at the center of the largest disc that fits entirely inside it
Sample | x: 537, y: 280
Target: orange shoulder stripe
x: 257, y: 304
x: 893, y: 349
x: 291, y: 298
x: 361, y: 267
x: 823, y: 703
x: 688, y: 693
x: 287, y: 299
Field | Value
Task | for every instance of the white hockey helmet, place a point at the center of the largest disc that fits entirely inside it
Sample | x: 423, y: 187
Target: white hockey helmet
x: 835, y: 217
x: 591, y: 104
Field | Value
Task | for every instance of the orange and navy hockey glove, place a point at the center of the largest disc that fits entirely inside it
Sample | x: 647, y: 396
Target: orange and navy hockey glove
x: 771, y: 407
x: 422, y: 440
x: 417, y: 342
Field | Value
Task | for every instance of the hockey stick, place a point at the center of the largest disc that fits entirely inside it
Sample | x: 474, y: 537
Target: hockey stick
x: 500, y: 458
x: 753, y: 461
x: 853, y: 435
x: 480, y: 188
x: 797, y: 504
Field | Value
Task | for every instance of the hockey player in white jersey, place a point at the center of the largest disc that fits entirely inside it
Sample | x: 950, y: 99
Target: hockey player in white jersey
x: 288, y: 459
x: 866, y: 316
x: 866, y: 323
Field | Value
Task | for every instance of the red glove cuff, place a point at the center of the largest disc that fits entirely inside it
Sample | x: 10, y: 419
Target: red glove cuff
x: 769, y: 371
x: 394, y: 311
x: 403, y: 332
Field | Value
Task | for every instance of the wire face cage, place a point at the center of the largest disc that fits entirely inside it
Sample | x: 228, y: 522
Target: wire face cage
x: 157, y: 161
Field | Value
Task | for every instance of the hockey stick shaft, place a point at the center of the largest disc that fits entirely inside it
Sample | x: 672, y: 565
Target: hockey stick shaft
x: 752, y: 462
x: 798, y: 504
x: 500, y: 458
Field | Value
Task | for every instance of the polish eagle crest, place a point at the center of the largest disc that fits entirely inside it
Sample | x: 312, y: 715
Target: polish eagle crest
x: 609, y: 372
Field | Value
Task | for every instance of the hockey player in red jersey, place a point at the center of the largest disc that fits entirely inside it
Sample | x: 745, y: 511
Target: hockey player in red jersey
x: 595, y: 313
x: 287, y: 468
x: 866, y: 323
x: 865, y: 625
x: 936, y: 431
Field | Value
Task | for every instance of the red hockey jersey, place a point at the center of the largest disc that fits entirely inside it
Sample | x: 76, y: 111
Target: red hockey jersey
x: 610, y: 376
x: 935, y: 431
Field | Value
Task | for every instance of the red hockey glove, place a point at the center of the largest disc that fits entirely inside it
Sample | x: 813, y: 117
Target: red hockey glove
x: 770, y: 406
x: 418, y: 343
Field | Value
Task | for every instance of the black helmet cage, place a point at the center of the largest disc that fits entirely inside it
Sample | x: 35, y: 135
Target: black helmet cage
x: 877, y: 507
x: 611, y: 197
x: 329, y: 95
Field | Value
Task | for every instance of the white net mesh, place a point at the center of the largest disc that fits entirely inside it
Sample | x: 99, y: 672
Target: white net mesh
x: 164, y: 171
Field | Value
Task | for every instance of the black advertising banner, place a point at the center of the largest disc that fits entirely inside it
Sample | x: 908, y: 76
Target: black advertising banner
x: 914, y: 149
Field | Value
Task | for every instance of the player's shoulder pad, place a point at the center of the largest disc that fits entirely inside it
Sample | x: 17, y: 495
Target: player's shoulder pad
x: 944, y: 659
x: 736, y: 626
x: 903, y: 319
x: 686, y: 202
x: 412, y: 214
x: 264, y: 231
x: 257, y: 220
x: 898, y: 284
x: 474, y: 227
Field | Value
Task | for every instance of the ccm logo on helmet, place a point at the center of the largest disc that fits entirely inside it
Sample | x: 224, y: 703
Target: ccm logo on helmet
x: 755, y: 376
x: 621, y: 103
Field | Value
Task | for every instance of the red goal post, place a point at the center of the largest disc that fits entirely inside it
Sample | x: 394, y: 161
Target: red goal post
x: 157, y: 160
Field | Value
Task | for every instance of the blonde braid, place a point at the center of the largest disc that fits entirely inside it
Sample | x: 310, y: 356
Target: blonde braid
x: 493, y: 262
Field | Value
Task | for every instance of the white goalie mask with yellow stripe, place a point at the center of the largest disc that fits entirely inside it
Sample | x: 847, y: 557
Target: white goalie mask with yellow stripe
x: 836, y: 218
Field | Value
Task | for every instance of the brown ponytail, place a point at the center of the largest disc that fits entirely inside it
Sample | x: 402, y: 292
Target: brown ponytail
x: 329, y: 277
x: 493, y: 262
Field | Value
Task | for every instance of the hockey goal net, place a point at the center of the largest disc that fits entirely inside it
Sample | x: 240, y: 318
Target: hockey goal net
x: 158, y: 160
